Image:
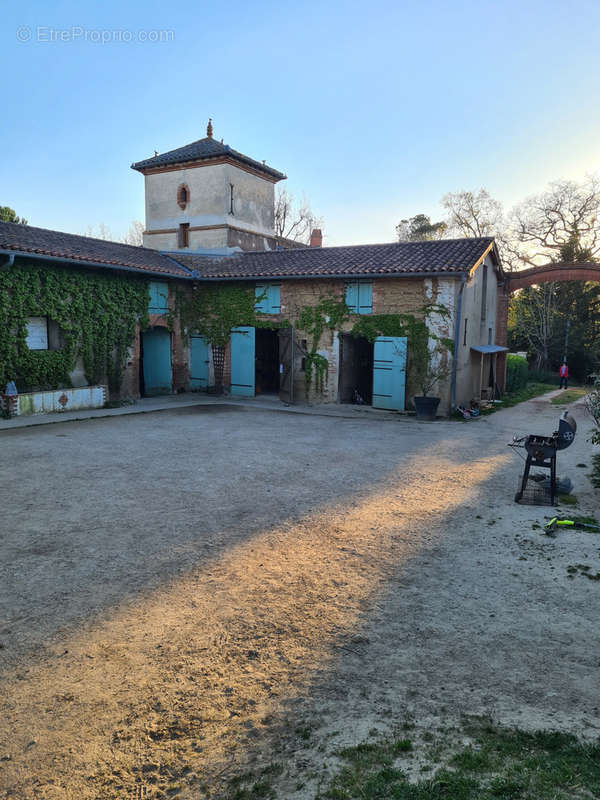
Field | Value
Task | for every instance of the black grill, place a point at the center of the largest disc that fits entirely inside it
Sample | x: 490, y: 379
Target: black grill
x: 541, y: 452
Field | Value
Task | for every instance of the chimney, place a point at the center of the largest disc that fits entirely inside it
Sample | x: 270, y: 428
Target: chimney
x: 316, y: 238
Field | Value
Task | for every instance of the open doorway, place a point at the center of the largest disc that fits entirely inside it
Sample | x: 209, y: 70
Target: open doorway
x: 267, y: 361
x: 356, y: 370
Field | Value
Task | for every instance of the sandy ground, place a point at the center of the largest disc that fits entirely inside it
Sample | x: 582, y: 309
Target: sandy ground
x: 187, y: 594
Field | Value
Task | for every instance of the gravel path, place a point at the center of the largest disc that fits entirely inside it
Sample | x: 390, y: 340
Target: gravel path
x: 186, y: 593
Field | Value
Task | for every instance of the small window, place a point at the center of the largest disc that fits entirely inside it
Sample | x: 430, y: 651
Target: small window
x: 37, y: 333
x: 465, y: 333
x: 159, y: 298
x: 183, y: 196
x: 268, y: 298
x: 359, y: 297
x: 183, y: 237
x: 490, y: 336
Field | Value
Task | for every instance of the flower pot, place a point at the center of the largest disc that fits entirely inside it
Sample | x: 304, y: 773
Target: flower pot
x: 426, y: 407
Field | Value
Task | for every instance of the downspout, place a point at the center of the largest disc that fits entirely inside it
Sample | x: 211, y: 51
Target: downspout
x: 456, y: 342
x: 9, y: 262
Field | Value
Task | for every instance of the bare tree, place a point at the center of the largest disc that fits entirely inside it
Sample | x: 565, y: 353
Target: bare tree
x: 534, y: 313
x: 135, y: 233
x: 473, y: 214
x: 100, y: 231
x: 545, y: 224
x: 294, y: 220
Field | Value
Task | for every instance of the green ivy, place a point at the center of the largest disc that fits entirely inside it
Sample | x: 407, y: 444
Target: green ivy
x: 96, y: 314
x: 212, y: 311
x: 329, y: 313
x: 418, y: 334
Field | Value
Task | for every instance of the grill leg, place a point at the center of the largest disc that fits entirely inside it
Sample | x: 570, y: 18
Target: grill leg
x: 552, y: 479
x: 519, y: 494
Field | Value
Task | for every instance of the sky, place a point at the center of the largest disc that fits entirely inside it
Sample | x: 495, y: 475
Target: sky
x: 373, y: 110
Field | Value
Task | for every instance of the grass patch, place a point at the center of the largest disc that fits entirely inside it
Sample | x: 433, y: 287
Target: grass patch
x: 569, y: 396
x: 532, y: 389
x: 500, y: 764
x: 568, y: 500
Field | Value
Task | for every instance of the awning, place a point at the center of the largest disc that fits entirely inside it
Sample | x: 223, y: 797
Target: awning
x: 489, y: 348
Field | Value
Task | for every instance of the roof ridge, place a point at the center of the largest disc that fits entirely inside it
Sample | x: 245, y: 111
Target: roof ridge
x: 374, y: 244
x: 137, y: 247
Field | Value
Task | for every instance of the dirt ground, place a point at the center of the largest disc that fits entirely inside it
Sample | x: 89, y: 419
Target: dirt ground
x: 190, y: 594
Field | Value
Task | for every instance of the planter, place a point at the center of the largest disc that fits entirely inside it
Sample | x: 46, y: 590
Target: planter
x: 426, y: 407
x: 61, y: 400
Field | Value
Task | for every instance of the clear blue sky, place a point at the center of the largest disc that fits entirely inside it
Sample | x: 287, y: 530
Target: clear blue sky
x: 374, y: 110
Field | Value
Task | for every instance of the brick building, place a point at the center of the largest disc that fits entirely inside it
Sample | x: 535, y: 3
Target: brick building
x: 209, y: 221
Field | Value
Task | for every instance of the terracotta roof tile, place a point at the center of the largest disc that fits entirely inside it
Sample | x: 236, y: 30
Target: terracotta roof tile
x: 200, y: 151
x: 68, y: 246
x: 396, y: 258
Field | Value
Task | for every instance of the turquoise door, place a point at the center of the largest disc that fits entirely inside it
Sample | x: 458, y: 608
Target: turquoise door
x: 199, y: 362
x: 157, y: 361
x: 389, y: 372
x: 242, y: 361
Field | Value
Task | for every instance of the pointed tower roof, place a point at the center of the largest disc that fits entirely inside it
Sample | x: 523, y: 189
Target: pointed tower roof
x: 206, y: 150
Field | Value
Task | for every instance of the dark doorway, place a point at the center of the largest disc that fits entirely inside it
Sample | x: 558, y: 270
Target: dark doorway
x: 267, y: 361
x: 356, y: 370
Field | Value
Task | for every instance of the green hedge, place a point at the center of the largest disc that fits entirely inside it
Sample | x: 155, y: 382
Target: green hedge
x: 517, y: 372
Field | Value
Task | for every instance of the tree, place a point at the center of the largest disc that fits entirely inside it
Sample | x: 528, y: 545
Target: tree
x: 294, y: 220
x: 568, y: 212
x: 102, y: 231
x: 532, y: 321
x: 420, y: 228
x: 135, y: 233
x: 9, y: 215
x: 473, y: 214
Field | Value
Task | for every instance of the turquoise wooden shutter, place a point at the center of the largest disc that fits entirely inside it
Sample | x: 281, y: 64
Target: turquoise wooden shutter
x: 274, y: 298
x: 261, y: 305
x: 352, y: 296
x: 156, y: 361
x: 242, y: 361
x: 159, y: 297
x: 365, y: 298
x: 389, y: 372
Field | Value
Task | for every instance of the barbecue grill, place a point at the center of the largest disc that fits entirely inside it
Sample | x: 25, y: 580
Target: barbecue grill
x: 541, y: 452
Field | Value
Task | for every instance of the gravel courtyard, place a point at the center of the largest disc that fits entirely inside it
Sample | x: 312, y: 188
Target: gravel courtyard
x: 186, y: 593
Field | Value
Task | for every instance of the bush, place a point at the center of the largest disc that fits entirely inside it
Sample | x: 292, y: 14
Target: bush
x: 544, y: 376
x: 517, y: 372
x: 592, y: 403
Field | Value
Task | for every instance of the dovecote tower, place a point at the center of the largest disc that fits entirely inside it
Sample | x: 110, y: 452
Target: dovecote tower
x: 206, y: 195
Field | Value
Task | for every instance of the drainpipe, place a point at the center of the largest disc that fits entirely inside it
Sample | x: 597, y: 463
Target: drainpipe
x: 456, y: 343
x: 9, y: 262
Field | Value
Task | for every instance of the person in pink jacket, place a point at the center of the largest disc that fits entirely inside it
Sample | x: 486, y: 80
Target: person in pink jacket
x: 564, y: 374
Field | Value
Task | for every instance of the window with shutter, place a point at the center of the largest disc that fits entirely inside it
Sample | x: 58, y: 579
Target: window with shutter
x: 159, y: 298
x: 268, y: 298
x: 359, y: 297
x: 37, y: 333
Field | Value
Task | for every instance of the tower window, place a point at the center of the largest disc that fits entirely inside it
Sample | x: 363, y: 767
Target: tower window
x: 183, y: 236
x: 183, y: 196
x: 231, y: 198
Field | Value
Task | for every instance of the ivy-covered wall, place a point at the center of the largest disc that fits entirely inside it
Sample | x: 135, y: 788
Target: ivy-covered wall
x: 96, y: 314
